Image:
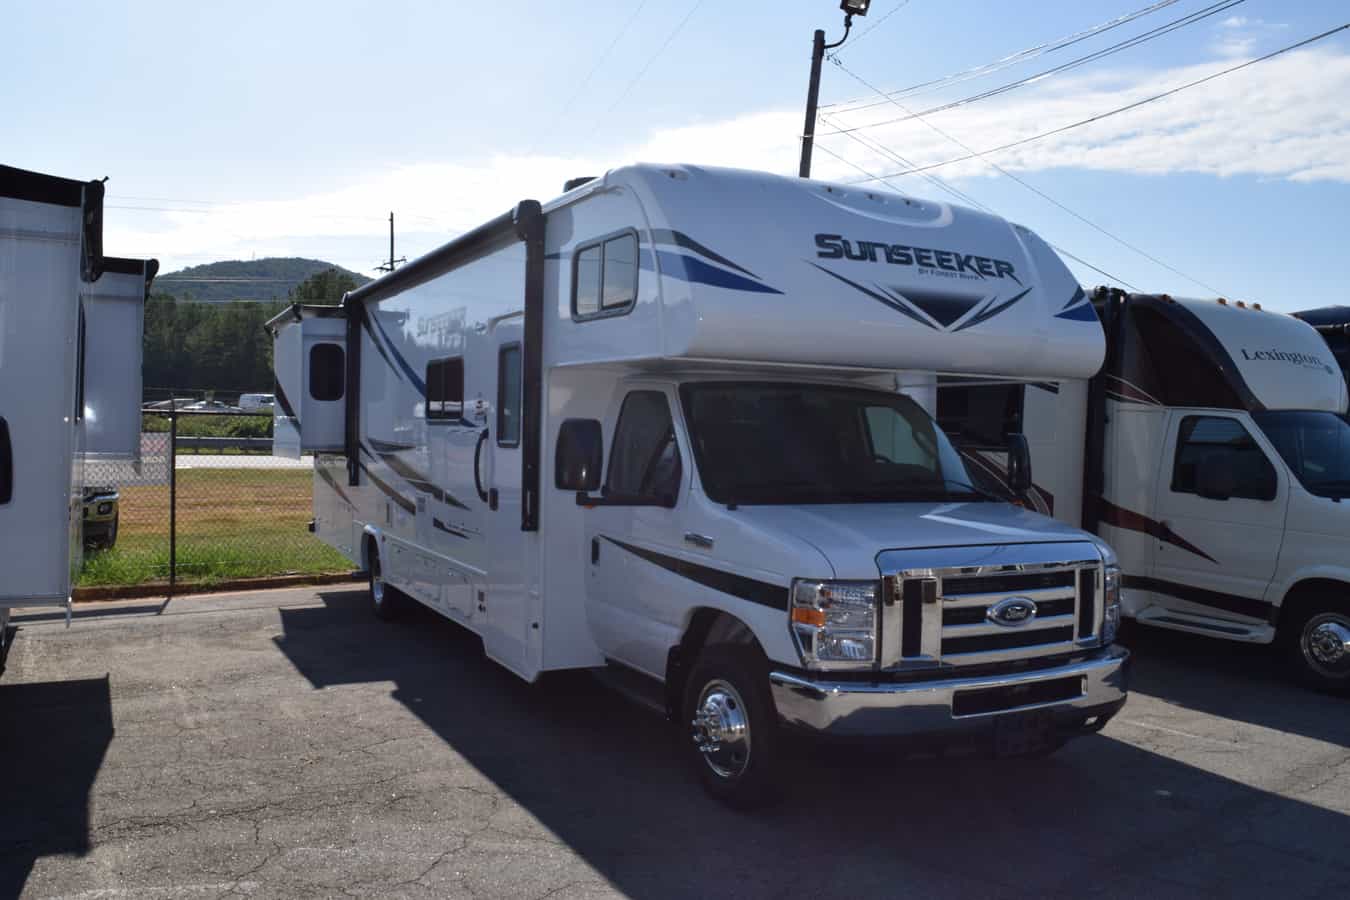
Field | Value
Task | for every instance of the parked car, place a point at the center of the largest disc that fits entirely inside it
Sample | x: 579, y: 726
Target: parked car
x: 100, y: 517
x: 262, y: 403
x: 213, y: 406
x: 165, y: 405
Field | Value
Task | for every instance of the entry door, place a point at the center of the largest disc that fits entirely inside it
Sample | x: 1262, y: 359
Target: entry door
x: 635, y: 539
x: 1216, y: 557
x: 499, y: 473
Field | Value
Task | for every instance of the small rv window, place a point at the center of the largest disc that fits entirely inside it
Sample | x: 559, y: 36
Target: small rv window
x: 620, y: 281
x: 605, y: 277
x: 445, y: 389
x: 586, y: 297
x: 327, y: 371
x: 508, y: 396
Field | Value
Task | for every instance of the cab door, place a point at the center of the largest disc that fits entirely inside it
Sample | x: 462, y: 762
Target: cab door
x: 636, y: 539
x: 1221, y: 507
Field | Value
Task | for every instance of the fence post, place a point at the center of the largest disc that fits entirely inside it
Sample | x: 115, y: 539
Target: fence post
x: 173, y: 501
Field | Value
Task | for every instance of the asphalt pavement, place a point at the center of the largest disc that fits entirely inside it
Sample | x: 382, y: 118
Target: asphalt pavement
x: 287, y: 744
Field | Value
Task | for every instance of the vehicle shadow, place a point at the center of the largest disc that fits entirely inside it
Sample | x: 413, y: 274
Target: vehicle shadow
x: 1242, y: 682
x: 52, y: 744
x: 1103, y: 817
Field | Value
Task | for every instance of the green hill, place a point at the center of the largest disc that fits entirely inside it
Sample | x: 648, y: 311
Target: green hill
x: 256, y: 279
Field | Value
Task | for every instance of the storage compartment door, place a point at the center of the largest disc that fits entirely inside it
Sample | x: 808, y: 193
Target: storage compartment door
x: 39, y: 297
x: 114, y: 312
x: 309, y: 357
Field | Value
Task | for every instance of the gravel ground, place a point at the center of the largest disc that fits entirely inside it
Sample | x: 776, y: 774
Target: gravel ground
x: 285, y: 744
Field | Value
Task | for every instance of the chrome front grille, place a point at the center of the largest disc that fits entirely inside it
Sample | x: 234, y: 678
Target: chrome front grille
x: 943, y: 613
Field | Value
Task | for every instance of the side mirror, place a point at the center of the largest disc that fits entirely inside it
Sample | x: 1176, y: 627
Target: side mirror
x: 1215, y: 478
x: 579, y: 457
x: 1019, y: 464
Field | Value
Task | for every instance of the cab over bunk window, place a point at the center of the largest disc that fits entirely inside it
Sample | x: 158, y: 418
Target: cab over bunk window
x: 604, y: 277
x: 327, y: 372
x: 445, y: 388
x: 1219, y: 450
x: 645, y: 461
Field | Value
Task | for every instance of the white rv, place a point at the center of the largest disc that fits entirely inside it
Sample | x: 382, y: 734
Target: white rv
x: 1213, y: 453
x: 1333, y: 323
x: 70, y: 344
x: 653, y: 427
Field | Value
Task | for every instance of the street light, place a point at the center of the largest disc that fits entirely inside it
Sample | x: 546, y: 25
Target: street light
x: 851, y: 8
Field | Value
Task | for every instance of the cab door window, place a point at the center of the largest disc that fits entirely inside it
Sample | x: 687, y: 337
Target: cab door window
x: 645, y: 461
x: 1210, y: 444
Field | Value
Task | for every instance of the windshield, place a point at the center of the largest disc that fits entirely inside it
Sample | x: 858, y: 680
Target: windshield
x: 803, y: 443
x: 1316, y: 446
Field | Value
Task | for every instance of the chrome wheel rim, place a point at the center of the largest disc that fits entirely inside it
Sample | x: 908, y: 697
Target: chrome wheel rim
x: 721, y: 729
x: 376, y: 585
x: 1326, y: 644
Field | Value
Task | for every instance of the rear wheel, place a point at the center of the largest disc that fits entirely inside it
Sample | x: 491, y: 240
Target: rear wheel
x: 734, y: 739
x: 1318, y: 644
x: 383, y: 598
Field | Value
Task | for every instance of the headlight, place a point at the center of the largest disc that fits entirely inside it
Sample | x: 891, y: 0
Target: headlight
x: 1111, y: 607
x: 835, y: 621
x: 104, y: 509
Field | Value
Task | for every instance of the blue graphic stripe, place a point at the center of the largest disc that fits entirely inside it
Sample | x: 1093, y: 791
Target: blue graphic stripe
x: 416, y: 379
x: 880, y: 298
x: 696, y: 271
x: 1081, y: 313
x: 1077, y: 295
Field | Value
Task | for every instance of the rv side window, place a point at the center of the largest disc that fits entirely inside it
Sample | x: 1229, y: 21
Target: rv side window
x: 1219, y: 443
x: 327, y: 371
x: 645, y: 459
x: 508, y: 396
x: 445, y: 389
x: 604, y: 277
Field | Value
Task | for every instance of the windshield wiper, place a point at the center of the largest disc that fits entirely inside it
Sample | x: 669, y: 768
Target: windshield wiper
x: 988, y: 495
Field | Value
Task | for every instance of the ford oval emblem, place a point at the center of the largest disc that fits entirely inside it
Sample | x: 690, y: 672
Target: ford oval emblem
x: 1012, y: 612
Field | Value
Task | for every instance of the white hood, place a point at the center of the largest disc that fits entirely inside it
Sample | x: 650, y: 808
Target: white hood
x: 851, y: 535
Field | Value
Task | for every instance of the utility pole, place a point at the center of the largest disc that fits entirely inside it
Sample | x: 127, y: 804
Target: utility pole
x: 851, y: 8
x: 389, y: 266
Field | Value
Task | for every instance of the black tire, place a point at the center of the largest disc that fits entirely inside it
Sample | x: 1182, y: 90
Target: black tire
x: 728, y: 690
x: 1314, y: 640
x: 383, y: 598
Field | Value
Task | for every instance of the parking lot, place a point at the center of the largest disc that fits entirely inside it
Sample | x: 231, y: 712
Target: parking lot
x: 285, y: 743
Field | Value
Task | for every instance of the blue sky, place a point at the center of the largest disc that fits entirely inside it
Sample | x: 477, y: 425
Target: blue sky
x: 292, y: 128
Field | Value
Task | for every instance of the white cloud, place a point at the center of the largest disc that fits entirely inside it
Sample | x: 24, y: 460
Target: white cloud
x: 1282, y: 119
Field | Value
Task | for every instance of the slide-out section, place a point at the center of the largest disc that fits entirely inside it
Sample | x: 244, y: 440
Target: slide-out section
x: 310, y: 359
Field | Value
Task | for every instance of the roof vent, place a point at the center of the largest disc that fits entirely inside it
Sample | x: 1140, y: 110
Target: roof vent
x: 572, y: 184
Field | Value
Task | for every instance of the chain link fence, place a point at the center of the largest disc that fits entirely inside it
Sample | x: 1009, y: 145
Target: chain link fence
x: 206, y: 504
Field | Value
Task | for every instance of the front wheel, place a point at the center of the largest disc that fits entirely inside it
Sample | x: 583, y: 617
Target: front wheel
x: 383, y: 598
x: 734, y: 739
x: 1319, y: 646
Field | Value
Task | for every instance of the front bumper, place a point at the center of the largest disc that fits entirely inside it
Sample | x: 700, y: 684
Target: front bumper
x: 1096, y: 686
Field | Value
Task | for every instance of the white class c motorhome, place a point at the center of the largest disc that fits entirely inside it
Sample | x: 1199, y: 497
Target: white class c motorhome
x: 1214, y: 452
x: 70, y: 345
x: 1333, y: 323
x: 653, y: 427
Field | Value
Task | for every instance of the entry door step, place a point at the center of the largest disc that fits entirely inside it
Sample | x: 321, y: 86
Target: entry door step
x: 1214, y: 627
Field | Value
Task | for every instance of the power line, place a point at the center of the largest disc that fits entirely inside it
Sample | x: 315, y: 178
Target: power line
x: 1160, y: 31
x: 963, y: 196
x: 599, y: 60
x: 878, y: 23
x: 1106, y: 115
x: 1018, y: 57
x: 1035, y: 190
x: 651, y: 59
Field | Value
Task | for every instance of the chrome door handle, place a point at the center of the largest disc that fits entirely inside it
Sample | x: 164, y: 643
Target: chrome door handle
x: 698, y: 540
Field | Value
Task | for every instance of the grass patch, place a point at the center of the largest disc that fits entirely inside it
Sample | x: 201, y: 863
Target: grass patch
x: 232, y: 523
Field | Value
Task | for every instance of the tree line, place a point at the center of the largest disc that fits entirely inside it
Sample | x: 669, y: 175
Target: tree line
x: 193, y: 347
